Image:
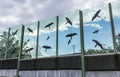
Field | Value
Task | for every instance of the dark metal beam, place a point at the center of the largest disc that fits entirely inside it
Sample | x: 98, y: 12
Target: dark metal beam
x: 57, y: 34
x: 37, y: 41
x: 112, y: 27
x: 82, y: 44
x: 7, y: 43
x: 20, y: 52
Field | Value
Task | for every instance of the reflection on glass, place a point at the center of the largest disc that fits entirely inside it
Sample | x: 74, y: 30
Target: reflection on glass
x: 97, y: 30
x: 69, y: 33
x: 116, y: 18
x: 47, y: 38
x: 3, y: 43
x: 29, y: 43
x: 13, y: 42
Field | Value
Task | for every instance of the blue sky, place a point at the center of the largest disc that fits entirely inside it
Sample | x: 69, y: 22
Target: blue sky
x: 102, y: 24
x: 50, y: 12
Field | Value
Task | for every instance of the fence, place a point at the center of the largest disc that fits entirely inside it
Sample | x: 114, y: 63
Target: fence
x: 91, y: 31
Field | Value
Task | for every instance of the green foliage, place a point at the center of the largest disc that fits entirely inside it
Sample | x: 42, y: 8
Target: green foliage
x: 118, y: 42
x: 93, y: 51
x: 11, y: 47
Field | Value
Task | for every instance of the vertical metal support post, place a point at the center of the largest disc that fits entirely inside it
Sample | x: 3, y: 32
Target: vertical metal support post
x: 7, y: 44
x: 57, y: 35
x: 112, y: 27
x: 57, y: 40
x: 20, y: 52
x: 82, y: 44
x: 37, y: 41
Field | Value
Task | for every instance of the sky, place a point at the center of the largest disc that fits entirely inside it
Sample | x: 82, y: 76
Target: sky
x: 28, y: 12
x: 15, y: 12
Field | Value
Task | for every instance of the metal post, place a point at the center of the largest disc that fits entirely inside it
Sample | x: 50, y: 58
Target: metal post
x: 7, y: 45
x: 20, y: 52
x: 37, y: 41
x: 56, y: 60
x: 57, y: 23
x: 112, y: 27
x: 82, y: 44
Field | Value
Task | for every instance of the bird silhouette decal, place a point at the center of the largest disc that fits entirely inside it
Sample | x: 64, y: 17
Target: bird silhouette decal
x: 69, y: 41
x: 49, y: 25
x: 26, y: 42
x: 96, y: 15
x: 46, y: 47
x: 14, y: 33
x: 71, y: 35
x: 98, y: 44
x: 48, y: 38
x: 28, y: 50
x: 96, y: 31
x: 30, y: 30
x: 68, y: 20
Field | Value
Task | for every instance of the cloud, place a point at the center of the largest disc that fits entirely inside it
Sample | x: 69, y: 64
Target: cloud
x: 74, y: 18
x: 93, y: 3
x: 89, y: 13
x: 110, y: 1
x: 9, y: 19
x: 64, y: 27
x: 94, y: 25
x: 104, y: 14
x: 115, y: 9
x: 21, y: 12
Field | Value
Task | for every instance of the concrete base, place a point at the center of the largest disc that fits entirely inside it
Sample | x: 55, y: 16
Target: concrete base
x: 59, y: 73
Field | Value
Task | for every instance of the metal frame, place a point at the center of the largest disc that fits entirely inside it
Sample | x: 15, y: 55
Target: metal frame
x: 82, y: 44
x: 37, y: 41
x: 57, y: 34
x: 112, y: 27
x: 7, y: 44
x: 57, y: 40
x: 19, y: 56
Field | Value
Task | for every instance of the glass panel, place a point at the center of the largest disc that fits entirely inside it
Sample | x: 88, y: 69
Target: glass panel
x: 3, y: 43
x: 14, y: 42
x: 69, y: 34
x: 97, y: 30
x: 47, y: 38
x: 116, y: 17
x: 29, y: 43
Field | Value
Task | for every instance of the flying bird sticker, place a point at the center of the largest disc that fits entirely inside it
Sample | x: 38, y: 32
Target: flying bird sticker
x: 14, y: 33
x: 30, y: 30
x: 69, y: 41
x: 49, y: 25
x: 68, y: 20
x: 46, y: 47
x: 26, y: 42
x: 96, y: 31
x: 96, y: 15
x: 98, y: 44
x: 48, y: 38
x: 71, y: 35
x: 28, y: 50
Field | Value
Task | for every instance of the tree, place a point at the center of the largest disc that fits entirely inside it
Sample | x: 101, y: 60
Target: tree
x: 10, y: 47
x: 118, y: 42
x: 93, y: 51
